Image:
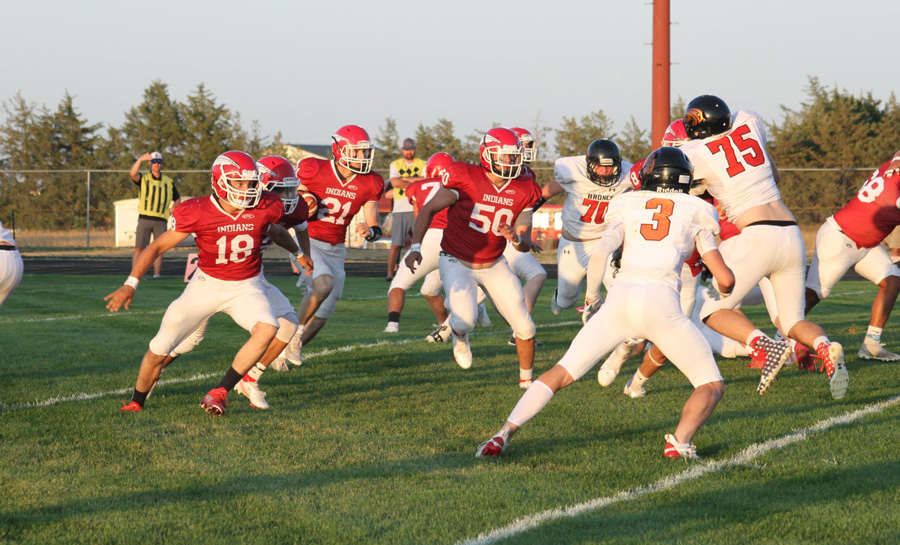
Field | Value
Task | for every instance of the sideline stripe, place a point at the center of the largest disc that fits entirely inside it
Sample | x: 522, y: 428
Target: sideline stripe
x: 742, y: 458
x: 206, y: 376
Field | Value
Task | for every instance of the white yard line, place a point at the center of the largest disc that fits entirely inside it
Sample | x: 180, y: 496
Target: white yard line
x: 84, y: 396
x: 694, y: 472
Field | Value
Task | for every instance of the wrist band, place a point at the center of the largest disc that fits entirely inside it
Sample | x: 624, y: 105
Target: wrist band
x: 415, y: 248
x: 518, y: 240
x: 132, y: 281
x: 299, y: 253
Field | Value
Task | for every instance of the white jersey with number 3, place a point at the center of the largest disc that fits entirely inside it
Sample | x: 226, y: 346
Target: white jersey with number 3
x: 735, y: 165
x: 585, y: 206
x: 659, y: 231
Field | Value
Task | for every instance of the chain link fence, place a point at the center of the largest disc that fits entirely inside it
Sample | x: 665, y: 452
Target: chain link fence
x: 76, y: 209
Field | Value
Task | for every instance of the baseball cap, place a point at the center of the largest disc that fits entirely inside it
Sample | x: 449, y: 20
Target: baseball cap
x: 409, y: 143
x: 156, y: 157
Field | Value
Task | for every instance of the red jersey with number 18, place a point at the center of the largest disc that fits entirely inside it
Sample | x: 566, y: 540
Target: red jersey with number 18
x: 874, y: 211
x: 229, y: 245
x: 339, y: 199
x: 473, y: 222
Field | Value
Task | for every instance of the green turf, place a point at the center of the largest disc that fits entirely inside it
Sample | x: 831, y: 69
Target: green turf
x: 372, y: 440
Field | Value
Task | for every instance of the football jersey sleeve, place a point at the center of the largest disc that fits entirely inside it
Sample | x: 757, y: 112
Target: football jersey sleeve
x: 186, y: 215
x: 706, y: 222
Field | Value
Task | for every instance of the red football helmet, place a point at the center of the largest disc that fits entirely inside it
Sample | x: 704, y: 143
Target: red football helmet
x: 352, y: 149
x: 276, y: 174
x: 501, y: 153
x: 529, y: 145
x: 236, y: 166
x: 675, y: 134
x: 437, y: 164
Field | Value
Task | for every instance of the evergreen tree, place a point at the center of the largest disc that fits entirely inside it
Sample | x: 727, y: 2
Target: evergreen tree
x: 387, y: 144
x: 635, y: 143
x: 210, y: 129
x: 574, y: 136
x: 156, y: 124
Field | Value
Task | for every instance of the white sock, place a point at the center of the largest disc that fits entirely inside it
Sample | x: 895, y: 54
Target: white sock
x: 874, y: 333
x: 819, y: 341
x: 532, y: 402
x: 525, y: 374
x: 255, y: 372
x: 638, y: 379
x: 754, y: 334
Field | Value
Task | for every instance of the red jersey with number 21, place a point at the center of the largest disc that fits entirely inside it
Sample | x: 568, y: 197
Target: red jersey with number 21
x: 339, y: 199
x: 229, y: 245
x: 473, y: 221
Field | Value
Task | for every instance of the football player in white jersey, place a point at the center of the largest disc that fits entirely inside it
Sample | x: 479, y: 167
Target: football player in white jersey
x: 11, y: 266
x: 659, y: 227
x: 589, y: 182
x: 729, y: 156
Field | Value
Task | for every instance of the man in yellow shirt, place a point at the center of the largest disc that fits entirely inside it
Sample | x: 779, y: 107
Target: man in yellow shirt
x: 404, y: 171
x: 158, y: 195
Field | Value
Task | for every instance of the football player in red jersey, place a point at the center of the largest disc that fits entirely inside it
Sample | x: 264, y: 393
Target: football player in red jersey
x: 276, y: 174
x: 342, y: 186
x: 418, y: 193
x: 852, y: 238
x: 523, y: 264
x: 229, y: 227
x: 484, y: 202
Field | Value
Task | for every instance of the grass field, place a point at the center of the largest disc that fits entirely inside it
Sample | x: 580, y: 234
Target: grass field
x: 372, y: 440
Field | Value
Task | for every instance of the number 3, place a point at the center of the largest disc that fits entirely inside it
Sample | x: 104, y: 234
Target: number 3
x: 660, y: 228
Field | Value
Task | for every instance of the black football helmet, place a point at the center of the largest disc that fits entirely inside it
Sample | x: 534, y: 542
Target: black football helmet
x: 604, y: 153
x: 706, y: 116
x: 667, y: 170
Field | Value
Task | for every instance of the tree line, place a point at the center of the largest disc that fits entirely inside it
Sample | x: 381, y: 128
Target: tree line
x: 832, y: 128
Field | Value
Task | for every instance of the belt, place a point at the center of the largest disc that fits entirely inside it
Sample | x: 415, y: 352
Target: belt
x: 442, y: 253
x: 776, y: 223
x: 7, y: 248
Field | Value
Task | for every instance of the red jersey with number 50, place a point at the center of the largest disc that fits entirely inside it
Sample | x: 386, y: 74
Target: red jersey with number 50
x: 229, y: 245
x: 735, y: 165
x: 420, y: 192
x: 473, y: 222
x: 339, y: 199
x: 874, y: 211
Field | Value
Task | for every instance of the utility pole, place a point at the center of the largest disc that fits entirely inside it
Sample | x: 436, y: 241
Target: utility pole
x: 661, y: 93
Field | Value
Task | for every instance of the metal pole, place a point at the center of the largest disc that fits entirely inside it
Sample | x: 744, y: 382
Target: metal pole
x: 660, y: 112
x: 88, y: 214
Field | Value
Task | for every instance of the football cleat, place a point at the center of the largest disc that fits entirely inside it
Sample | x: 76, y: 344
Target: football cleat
x: 132, y: 407
x: 392, y: 327
x: 251, y: 390
x: 874, y: 350
x: 832, y: 356
x: 554, y: 305
x: 491, y: 448
x: 462, y: 352
x: 482, y: 319
x: 294, y: 350
x: 610, y: 368
x: 674, y: 449
x: 525, y: 383
x: 774, y: 354
x: 280, y: 364
x: 215, y: 401
x: 634, y: 391
x: 439, y: 335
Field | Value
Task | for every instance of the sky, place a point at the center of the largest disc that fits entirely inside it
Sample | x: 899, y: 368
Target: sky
x: 305, y: 68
